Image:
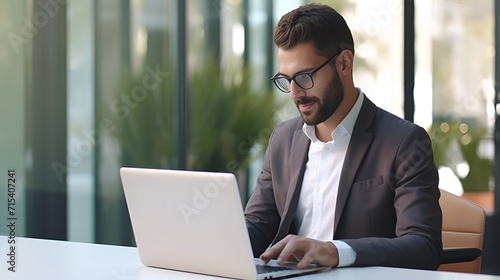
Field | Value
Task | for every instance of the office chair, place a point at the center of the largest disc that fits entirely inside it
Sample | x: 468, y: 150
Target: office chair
x: 463, y: 234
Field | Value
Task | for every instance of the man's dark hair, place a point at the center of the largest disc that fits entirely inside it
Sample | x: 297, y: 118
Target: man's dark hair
x: 317, y: 23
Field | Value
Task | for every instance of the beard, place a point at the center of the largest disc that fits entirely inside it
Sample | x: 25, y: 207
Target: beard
x: 327, y: 105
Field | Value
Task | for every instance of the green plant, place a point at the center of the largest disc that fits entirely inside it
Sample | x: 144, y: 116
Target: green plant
x: 144, y: 118
x: 227, y: 121
x: 446, y: 135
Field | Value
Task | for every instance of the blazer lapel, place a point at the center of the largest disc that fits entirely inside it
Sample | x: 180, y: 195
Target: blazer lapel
x: 298, y: 160
x: 360, y: 141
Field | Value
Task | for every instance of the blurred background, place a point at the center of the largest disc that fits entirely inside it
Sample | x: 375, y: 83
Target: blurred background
x: 90, y: 86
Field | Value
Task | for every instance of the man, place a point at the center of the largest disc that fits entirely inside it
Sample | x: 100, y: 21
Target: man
x: 346, y: 183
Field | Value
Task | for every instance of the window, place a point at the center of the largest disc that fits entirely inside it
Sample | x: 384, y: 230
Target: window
x: 455, y: 92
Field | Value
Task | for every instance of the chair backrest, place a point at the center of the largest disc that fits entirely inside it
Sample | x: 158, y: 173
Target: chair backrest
x: 463, y: 226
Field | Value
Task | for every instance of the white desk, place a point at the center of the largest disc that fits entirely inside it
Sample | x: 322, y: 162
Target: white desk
x: 52, y: 260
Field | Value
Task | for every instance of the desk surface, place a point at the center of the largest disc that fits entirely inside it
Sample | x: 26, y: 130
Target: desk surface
x: 52, y: 260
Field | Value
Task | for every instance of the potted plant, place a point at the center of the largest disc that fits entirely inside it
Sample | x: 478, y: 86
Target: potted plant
x: 456, y: 144
x: 228, y: 120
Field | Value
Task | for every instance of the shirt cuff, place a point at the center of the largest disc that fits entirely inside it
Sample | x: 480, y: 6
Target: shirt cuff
x: 347, y: 255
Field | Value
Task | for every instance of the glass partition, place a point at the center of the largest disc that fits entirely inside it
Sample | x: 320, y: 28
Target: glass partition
x: 14, y: 77
x: 455, y: 90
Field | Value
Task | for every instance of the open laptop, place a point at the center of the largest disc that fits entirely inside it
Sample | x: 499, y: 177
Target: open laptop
x: 193, y: 221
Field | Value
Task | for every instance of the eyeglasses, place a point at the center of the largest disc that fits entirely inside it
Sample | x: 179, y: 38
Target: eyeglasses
x: 303, y: 80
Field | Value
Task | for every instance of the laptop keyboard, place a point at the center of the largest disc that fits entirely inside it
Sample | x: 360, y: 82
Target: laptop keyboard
x: 268, y: 268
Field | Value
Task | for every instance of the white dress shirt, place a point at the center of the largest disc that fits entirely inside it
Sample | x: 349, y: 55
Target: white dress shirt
x: 318, y: 197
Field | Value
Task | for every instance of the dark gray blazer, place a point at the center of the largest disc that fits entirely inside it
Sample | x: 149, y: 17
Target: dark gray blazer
x: 388, y: 198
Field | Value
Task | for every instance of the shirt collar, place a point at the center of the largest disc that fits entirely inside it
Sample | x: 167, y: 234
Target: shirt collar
x: 346, y: 125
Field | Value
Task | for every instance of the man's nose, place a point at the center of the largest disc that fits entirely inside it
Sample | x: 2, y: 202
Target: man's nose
x: 296, y: 91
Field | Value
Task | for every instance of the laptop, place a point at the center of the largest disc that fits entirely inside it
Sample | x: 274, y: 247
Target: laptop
x: 193, y: 221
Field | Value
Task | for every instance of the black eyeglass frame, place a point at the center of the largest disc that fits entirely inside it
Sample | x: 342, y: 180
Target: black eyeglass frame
x: 278, y: 75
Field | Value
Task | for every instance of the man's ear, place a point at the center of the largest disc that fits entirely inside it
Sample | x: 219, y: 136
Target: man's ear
x: 345, y: 61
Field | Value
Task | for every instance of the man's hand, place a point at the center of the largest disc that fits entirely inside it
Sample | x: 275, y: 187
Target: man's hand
x: 304, y: 250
